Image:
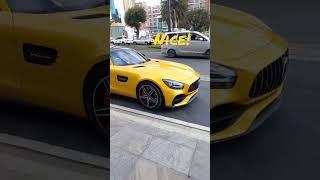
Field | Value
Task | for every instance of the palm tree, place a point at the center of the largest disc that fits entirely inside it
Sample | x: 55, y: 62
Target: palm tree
x: 178, y: 12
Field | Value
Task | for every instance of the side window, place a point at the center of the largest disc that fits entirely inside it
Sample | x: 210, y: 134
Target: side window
x: 183, y: 34
x: 171, y: 35
x: 31, y: 6
x: 197, y: 37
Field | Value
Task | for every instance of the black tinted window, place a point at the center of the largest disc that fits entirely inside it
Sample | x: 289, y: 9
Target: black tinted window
x: 51, y: 6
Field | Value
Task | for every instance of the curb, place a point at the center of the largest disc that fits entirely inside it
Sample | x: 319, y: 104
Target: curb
x: 56, y: 151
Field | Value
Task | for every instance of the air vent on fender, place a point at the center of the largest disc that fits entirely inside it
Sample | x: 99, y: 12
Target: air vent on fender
x: 91, y: 16
x: 138, y: 66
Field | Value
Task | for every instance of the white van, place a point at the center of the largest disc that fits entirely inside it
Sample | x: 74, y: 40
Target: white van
x: 199, y: 45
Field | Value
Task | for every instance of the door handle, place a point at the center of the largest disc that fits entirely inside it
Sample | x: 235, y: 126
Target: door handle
x: 122, y: 78
x: 39, y: 54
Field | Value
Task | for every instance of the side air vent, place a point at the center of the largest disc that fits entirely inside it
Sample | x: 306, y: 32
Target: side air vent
x: 138, y: 66
x: 91, y: 16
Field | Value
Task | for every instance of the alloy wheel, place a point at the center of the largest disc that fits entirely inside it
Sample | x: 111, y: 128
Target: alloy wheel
x: 101, y: 104
x: 149, y: 96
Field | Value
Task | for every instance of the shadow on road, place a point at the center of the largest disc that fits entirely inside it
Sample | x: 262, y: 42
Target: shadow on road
x: 51, y: 127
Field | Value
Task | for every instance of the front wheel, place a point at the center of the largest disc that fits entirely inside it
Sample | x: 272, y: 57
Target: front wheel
x: 97, y: 100
x: 171, y: 53
x: 207, y: 53
x: 150, y: 96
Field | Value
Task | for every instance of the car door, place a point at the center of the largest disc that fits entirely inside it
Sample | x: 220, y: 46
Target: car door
x: 123, y: 78
x: 197, y: 44
x: 184, y: 50
x: 9, y: 68
x: 50, y: 45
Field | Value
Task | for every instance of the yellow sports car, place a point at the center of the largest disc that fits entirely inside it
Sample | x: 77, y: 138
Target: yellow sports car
x: 248, y: 70
x: 155, y: 83
x: 54, y: 53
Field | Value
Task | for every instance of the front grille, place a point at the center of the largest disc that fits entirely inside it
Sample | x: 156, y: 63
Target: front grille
x: 224, y: 116
x: 178, y: 99
x: 270, y: 77
x: 194, y: 86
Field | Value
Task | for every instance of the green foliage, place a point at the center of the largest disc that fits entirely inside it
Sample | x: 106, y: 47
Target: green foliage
x: 178, y: 9
x: 198, y: 20
x: 134, y: 17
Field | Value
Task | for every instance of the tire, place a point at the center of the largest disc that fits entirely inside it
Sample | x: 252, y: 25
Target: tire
x: 97, y: 99
x: 207, y: 53
x: 150, y: 96
x: 134, y: 43
x: 171, y: 53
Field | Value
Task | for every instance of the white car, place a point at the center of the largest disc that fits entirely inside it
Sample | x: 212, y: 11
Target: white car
x: 199, y: 45
x: 128, y: 41
x: 143, y: 41
x: 118, y: 40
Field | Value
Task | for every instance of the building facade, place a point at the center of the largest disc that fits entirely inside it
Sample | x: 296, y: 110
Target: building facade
x: 199, y: 4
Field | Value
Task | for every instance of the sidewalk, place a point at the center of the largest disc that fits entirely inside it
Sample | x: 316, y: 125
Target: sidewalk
x: 144, y: 148
x: 18, y: 163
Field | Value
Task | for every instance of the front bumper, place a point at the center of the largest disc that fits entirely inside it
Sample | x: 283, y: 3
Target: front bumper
x: 176, y: 98
x: 250, y: 117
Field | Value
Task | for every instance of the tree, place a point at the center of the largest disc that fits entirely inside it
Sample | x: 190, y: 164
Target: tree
x: 178, y: 10
x: 134, y: 17
x: 198, y: 20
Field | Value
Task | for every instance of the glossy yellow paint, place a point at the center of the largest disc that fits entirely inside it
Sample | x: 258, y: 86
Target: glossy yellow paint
x: 246, y: 45
x: 81, y: 44
x: 154, y: 71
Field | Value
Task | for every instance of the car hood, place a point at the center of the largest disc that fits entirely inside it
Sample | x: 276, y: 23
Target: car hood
x: 237, y: 34
x: 167, y: 70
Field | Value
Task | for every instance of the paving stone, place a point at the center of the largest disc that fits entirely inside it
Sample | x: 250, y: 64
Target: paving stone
x: 183, y: 140
x: 132, y: 141
x: 148, y: 170
x: 157, y: 132
x: 169, y: 154
x: 200, y: 166
x: 121, y: 164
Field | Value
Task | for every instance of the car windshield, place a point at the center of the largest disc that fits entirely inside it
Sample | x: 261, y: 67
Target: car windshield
x: 125, y: 57
x: 52, y: 6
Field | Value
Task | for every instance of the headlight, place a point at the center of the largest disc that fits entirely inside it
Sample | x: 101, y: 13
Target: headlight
x: 173, y: 84
x: 221, y: 77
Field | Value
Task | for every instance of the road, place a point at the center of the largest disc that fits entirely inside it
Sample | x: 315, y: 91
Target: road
x: 295, y: 20
x: 50, y: 127
x: 193, y: 112
x: 286, y: 145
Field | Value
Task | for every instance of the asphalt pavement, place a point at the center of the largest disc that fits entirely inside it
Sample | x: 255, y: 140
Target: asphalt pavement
x: 193, y: 112
x: 51, y: 127
x: 286, y: 145
x: 295, y: 20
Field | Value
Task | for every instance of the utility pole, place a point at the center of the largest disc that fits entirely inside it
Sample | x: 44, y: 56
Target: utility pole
x: 169, y: 15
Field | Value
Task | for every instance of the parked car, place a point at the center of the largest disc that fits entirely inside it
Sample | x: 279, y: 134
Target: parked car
x: 118, y: 40
x: 155, y: 83
x: 56, y: 65
x: 143, y: 41
x: 248, y: 70
x: 128, y: 41
x: 199, y: 45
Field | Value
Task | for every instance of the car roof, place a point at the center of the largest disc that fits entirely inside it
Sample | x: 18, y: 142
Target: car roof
x: 182, y: 32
